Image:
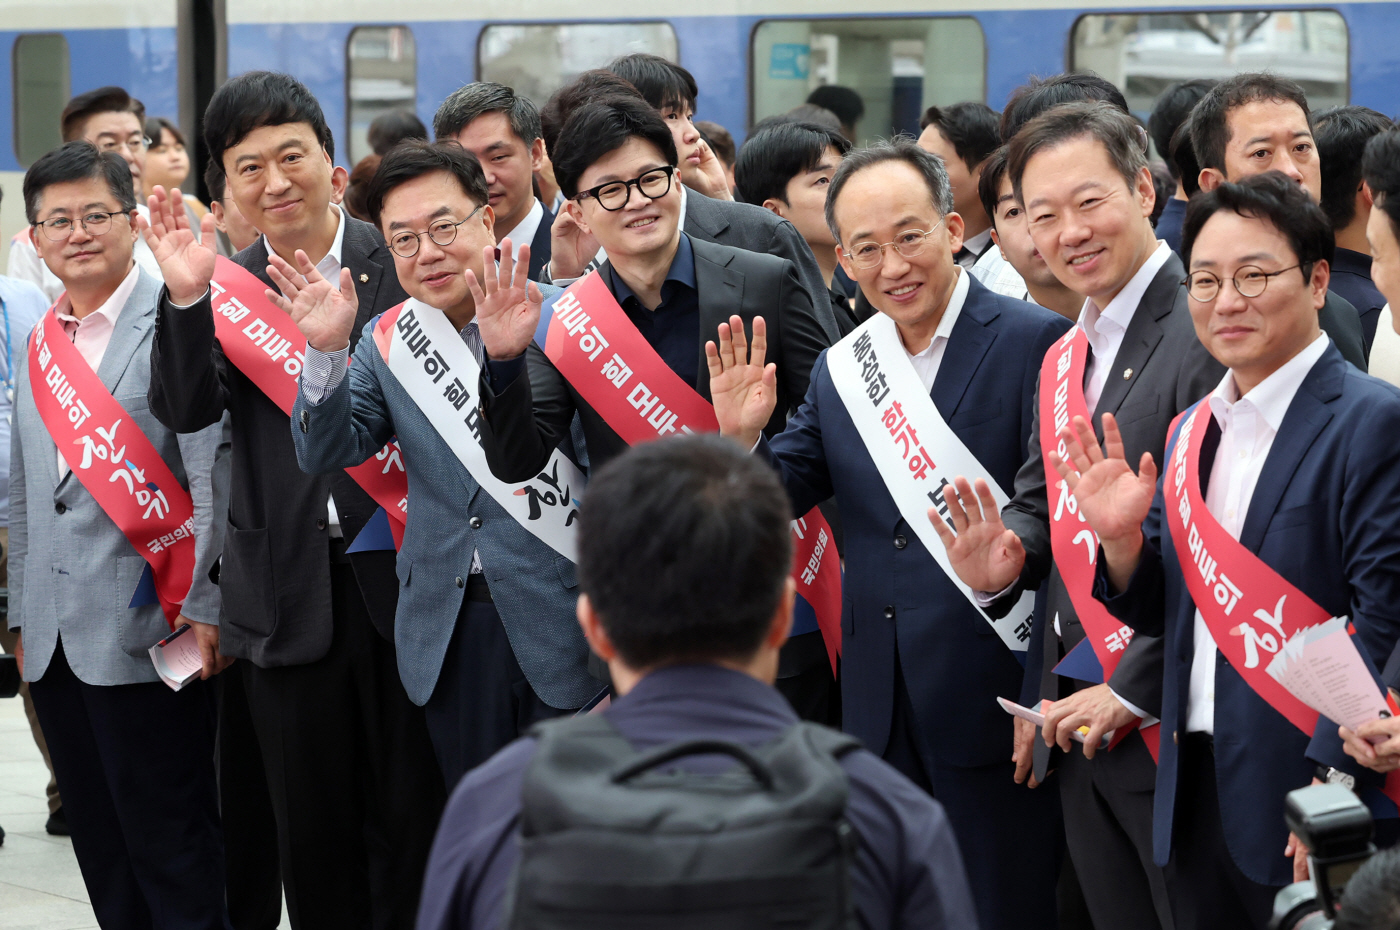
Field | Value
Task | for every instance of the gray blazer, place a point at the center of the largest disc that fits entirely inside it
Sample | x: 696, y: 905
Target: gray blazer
x: 72, y: 572
x: 534, y: 587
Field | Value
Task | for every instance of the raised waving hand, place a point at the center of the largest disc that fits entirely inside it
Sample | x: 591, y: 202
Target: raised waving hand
x: 186, y: 260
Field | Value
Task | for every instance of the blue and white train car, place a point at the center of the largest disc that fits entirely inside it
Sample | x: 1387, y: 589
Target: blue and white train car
x: 752, y: 58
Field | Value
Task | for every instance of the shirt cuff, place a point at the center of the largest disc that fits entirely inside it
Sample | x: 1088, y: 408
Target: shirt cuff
x: 322, y: 373
x: 503, y: 373
x: 187, y: 306
x: 1147, y: 719
x: 986, y: 599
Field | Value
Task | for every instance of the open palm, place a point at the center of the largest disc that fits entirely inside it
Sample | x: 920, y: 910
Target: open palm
x: 984, y: 553
x: 743, y: 387
x: 323, y: 312
x: 186, y: 260
x: 507, y: 302
x: 1112, y: 498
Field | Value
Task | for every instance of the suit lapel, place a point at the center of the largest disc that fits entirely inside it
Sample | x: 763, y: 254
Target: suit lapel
x: 702, y: 221
x: 967, y: 346
x: 540, y: 245
x: 1141, y: 340
x: 137, y: 317
x: 1306, y: 417
x: 358, y: 253
x: 721, y: 294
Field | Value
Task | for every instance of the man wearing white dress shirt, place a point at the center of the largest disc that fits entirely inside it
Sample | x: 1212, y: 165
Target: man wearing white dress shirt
x: 113, y: 121
x: 502, y: 129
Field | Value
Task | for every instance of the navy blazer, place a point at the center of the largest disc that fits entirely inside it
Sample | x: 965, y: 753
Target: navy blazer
x: 897, y: 601
x: 541, y: 247
x: 1323, y: 517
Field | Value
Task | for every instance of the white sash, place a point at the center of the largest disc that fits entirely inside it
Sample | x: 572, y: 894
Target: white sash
x: 914, y: 449
x: 435, y: 367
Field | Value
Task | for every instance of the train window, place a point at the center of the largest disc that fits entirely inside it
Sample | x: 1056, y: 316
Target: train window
x: 41, y: 91
x: 897, y: 66
x: 381, y: 76
x: 1142, y: 53
x: 537, y: 60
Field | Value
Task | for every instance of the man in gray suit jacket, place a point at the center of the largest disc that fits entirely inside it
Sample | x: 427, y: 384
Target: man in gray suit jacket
x: 486, y: 634
x: 1084, y: 181
x: 154, y: 846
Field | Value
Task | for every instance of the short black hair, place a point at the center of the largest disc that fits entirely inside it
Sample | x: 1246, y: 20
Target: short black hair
x: 1038, y: 95
x: 1272, y: 197
x: 1122, y: 137
x: 589, y: 86
x: 971, y: 128
x: 989, y: 182
x: 1341, y: 134
x: 1170, y: 112
x: 901, y: 148
x: 472, y: 101
x: 156, y: 124
x: 215, y: 181
x: 843, y: 101
x: 719, y: 139
x: 661, y: 83
x: 659, y: 524
x: 773, y: 157
x: 1210, y: 118
x: 1381, y: 168
x: 604, y: 126
x: 807, y: 113
x: 1182, y: 156
x: 1372, y: 900
x: 256, y: 99
x: 102, y: 100
x: 78, y: 160
x: 389, y: 129
x: 414, y: 158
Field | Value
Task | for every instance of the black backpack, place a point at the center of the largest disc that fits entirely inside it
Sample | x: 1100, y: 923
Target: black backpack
x: 607, y: 841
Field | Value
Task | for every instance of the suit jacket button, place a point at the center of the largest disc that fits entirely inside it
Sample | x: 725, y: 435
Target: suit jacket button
x: 460, y: 583
x: 321, y: 523
x: 305, y: 419
x: 900, y: 542
x: 60, y: 508
x: 1176, y: 740
x: 474, y: 523
x: 889, y: 613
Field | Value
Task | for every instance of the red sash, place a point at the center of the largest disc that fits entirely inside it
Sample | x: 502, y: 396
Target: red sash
x: 1073, y: 544
x: 1250, y: 609
x: 115, y: 461
x: 603, y: 356
x: 262, y: 342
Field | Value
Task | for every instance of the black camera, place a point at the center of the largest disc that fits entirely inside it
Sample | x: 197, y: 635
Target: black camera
x: 1336, y: 828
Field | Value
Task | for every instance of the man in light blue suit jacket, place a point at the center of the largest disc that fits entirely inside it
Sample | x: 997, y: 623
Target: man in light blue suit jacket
x: 921, y: 669
x: 134, y: 758
x: 486, y: 634
x: 1297, y: 463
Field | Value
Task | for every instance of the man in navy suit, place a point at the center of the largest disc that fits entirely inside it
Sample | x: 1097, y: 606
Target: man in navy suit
x: 1296, y: 464
x: 502, y: 129
x: 921, y: 666
x: 485, y: 631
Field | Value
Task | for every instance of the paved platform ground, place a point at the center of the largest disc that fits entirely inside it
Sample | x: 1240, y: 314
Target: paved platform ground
x: 40, y: 885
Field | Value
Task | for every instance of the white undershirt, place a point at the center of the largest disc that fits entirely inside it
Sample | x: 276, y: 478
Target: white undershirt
x: 927, y: 362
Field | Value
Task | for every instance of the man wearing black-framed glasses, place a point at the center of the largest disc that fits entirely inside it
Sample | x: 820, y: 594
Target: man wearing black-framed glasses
x: 485, y: 657
x: 674, y: 290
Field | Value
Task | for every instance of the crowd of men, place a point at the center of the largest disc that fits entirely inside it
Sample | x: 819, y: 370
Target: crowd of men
x: 362, y: 440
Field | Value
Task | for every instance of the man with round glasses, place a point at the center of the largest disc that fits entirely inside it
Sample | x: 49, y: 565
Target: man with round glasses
x: 112, y: 120
x: 939, y: 382
x: 1280, y: 481
x: 670, y: 292
x: 486, y: 636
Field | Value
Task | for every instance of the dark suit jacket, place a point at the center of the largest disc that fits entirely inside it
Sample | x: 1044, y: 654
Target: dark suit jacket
x: 1351, y: 279
x: 754, y: 229
x: 540, y: 246
x: 1170, y: 371
x: 275, y: 573
x: 1323, y: 517
x: 523, y: 423
x: 1339, y: 319
x: 897, y: 601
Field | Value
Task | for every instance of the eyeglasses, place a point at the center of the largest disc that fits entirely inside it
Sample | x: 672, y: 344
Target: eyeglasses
x: 1249, y: 281
x: 614, y: 195
x: 444, y: 232
x: 60, y: 228
x: 909, y: 243
x: 135, y: 146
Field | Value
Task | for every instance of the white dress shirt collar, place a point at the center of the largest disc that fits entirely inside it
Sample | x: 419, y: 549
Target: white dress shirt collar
x: 329, y: 266
x: 1272, y: 396
x: 524, y: 231
x: 109, y: 311
x: 979, y: 243
x: 927, y: 362
x: 1119, y: 311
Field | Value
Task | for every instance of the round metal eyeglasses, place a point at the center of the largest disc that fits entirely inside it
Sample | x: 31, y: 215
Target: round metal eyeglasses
x: 443, y: 232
